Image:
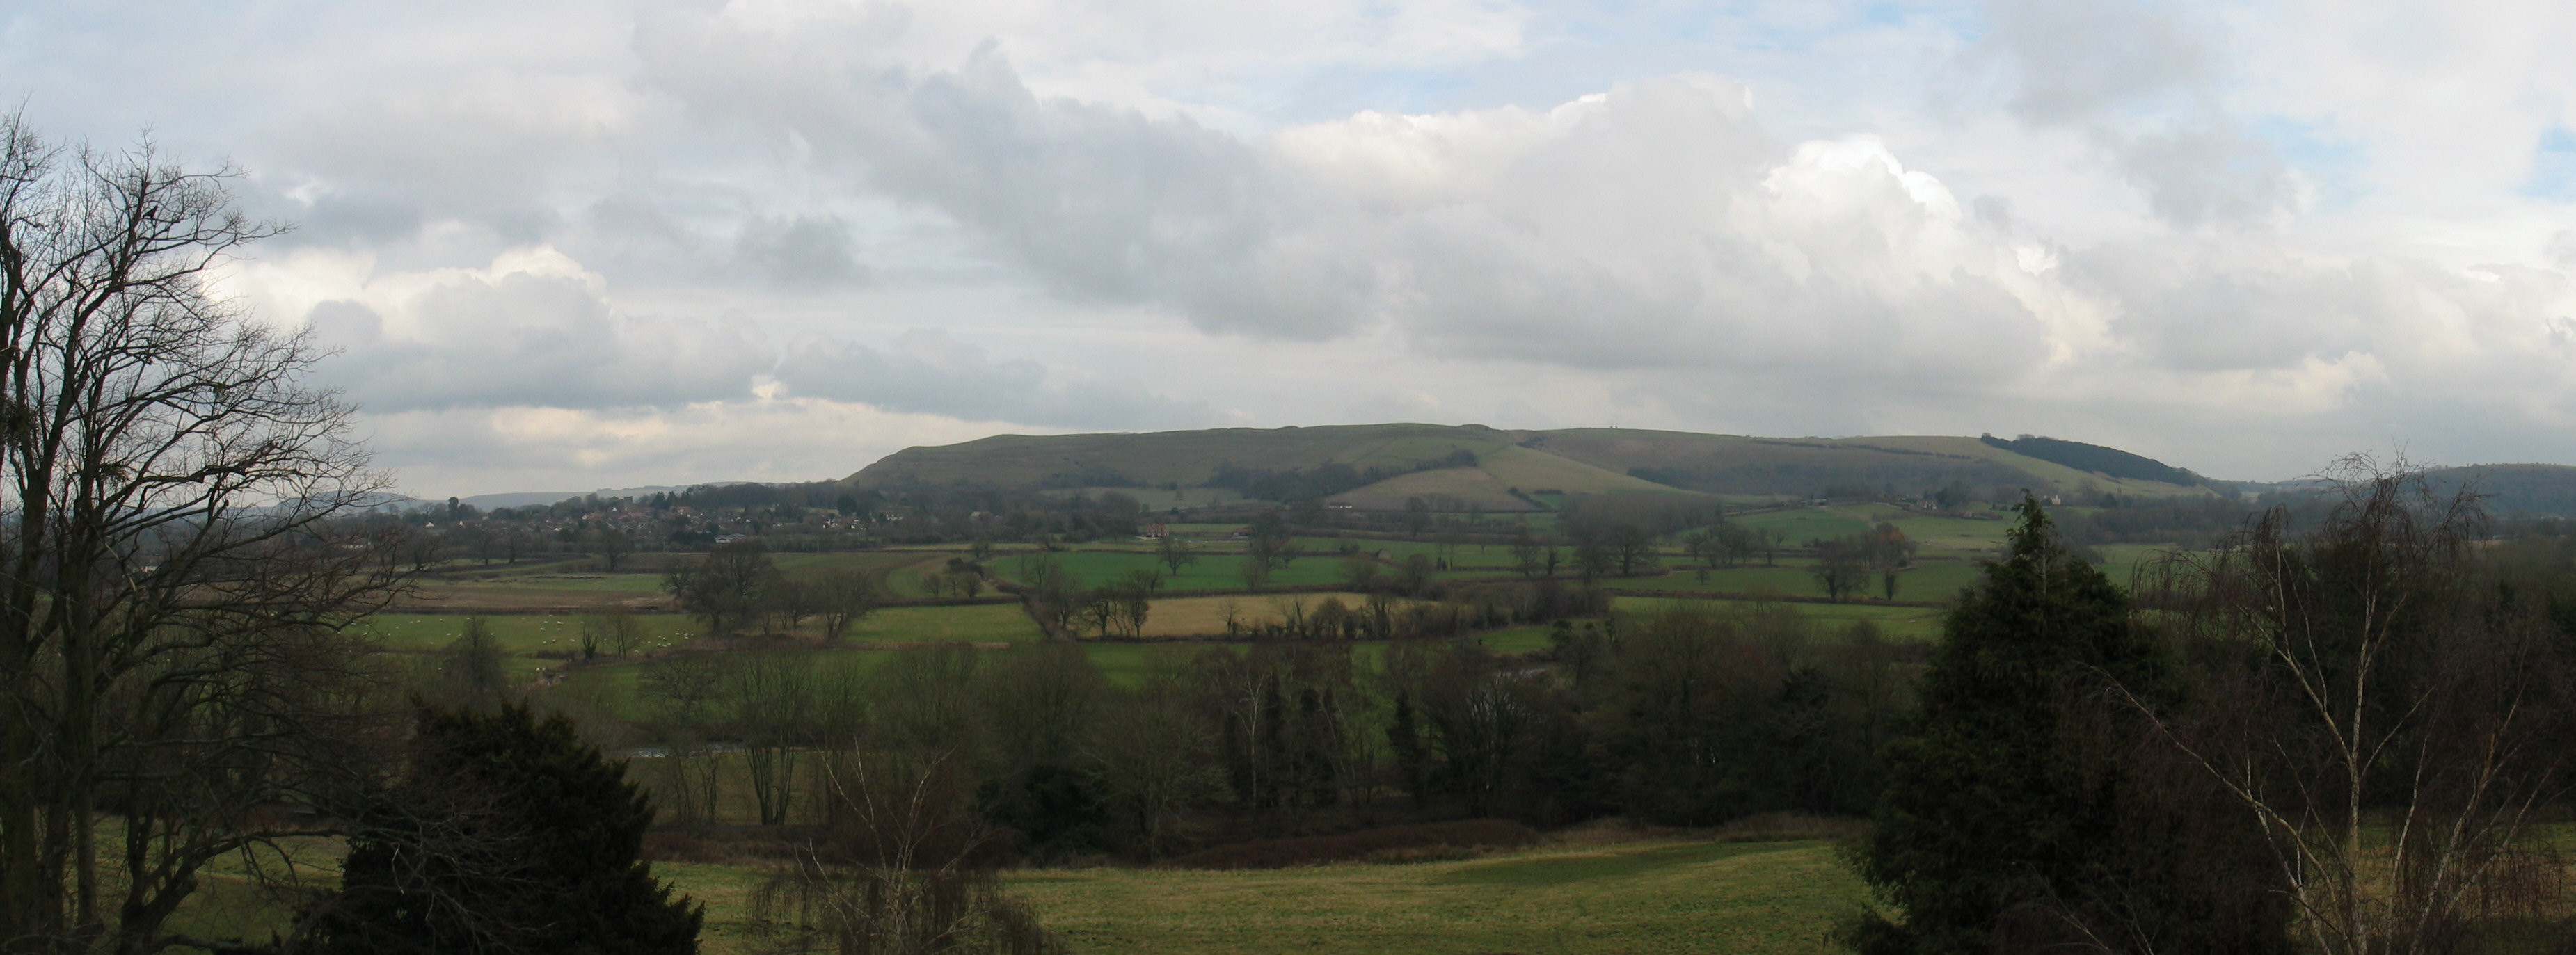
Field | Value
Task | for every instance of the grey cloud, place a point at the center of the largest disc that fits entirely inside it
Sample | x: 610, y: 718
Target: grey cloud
x: 2207, y: 172
x: 930, y: 373
x: 2073, y: 59
x: 1634, y: 238
x: 2234, y: 307
x: 1100, y: 203
x: 526, y: 339
x: 800, y: 252
x: 2142, y: 78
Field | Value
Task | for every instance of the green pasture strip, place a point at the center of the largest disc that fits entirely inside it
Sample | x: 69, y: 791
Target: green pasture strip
x: 973, y: 623
x: 1939, y: 535
x: 1798, y: 525
x: 1933, y: 580
x: 1643, y: 897
x: 1489, y: 557
x: 1922, y: 623
x: 602, y: 582
x: 1091, y: 568
x: 523, y: 633
x: 1517, y: 639
x: 902, y: 569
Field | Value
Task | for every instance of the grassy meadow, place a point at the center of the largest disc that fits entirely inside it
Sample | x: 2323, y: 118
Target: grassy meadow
x: 1591, y: 891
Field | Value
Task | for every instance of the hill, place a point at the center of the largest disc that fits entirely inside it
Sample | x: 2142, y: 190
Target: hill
x: 1375, y: 467
x: 1838, y: 467
x: 2514, y: 490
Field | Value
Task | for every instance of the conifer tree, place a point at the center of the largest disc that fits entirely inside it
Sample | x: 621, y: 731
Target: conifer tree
x: 1990, y: 804
x: 508, y: 834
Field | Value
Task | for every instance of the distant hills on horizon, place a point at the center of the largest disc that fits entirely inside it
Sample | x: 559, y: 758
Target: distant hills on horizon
x: 1462, y: 467
x: 1373, y: 467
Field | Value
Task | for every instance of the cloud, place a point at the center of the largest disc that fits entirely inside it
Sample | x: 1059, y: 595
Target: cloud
x: 2246, y: 236
x: 2145, y: 80
x: 928, y: 372
x: 2073, y: 60
x: 533, y: 329
x: 1494, y: 233
x: 483, y: 450
x: 2208, y: 171
x: 800, y: 251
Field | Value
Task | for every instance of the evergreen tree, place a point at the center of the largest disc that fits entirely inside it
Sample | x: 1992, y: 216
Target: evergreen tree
x: 507, y: 834
x: 1992, y: 803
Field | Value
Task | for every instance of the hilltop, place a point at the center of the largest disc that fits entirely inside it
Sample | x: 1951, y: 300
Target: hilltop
x: 1372, y: 467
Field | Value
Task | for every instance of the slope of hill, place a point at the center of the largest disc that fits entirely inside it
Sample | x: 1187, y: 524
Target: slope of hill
x: 1490, y: 484
x: 2112, y: 462
x: 1736, y: 464
x: 1184, y: 458
x: 2514, y: 490
x: 1383, y: 466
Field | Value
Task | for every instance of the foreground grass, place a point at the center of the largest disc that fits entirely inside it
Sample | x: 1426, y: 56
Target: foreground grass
x: 1648, y: 896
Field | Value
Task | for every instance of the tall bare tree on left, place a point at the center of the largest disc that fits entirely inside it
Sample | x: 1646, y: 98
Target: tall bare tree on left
x: 181, y: 547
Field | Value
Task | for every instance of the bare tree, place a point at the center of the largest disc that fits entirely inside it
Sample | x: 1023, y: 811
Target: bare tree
x: 2391, y: 722
x: 615, y: 630
x: 174, y: 570
x: 768, y: 701
x: 843, y: 598
x: 900, y: 867
x: 613, y: 545
x: 725, y: 588
x: 1152, y: 754
x: 1174, y: 552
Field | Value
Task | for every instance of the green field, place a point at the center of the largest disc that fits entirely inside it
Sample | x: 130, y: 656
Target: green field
x: 974, y: 623
x: 1586, y: 895
x: 1651, y: 896
x: 1922, y: 623
x: 1798, y: 525
x: 1091, y: 568
x: 524, y: 634
x: 1932, y: 580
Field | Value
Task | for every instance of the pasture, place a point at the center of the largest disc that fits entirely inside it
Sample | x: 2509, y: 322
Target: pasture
x: 1590, y: 892
x: 1092, y: 568
x: 1586, y: 895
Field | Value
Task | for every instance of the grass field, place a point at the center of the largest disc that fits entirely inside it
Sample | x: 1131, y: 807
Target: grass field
x: 1583, y: 897
x: 1927, y: 580
x: 1650, y: 896
x: 1205, y: 616
x: 975, y: 623
x: 1091, y: 568
x: 523, y: 634
x: 1920, y: 623
x: 1937, y: 535
x: 1798, y: 525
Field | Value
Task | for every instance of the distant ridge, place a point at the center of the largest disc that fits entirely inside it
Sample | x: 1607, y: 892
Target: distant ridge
x: 2097, y: 459
x: 1389, y: 465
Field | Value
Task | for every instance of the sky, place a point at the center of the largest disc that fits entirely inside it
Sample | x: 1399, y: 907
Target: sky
x: 575, y: 244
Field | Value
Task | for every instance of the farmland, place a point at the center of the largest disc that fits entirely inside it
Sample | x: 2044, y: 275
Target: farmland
x: 1600, y: 889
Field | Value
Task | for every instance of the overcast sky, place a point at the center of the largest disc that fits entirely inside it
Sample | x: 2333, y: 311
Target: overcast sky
x: 570, y: 245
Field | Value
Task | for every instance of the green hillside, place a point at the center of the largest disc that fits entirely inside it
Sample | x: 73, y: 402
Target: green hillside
x: 1185, y: 458
x: 1737, y: 464
x: 2514, y: 490
x: 1376, y: 467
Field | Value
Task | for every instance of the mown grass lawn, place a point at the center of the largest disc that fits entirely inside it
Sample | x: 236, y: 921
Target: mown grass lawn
x: 1651, y: 896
